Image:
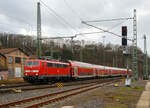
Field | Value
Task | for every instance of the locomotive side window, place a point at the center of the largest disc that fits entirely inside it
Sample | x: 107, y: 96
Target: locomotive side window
x: 49, y: 65
x: 56, y: 65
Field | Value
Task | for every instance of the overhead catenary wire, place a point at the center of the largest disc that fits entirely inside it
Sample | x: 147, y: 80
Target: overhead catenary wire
x: 73, y: 11
x: 88, y: 33
x: 87, y: 21
x: 50, y: 9
x: 104, y: 30
x: 117, y: 25
x: 61, y: 22
x: 113, y: 19
x: 78, y: 16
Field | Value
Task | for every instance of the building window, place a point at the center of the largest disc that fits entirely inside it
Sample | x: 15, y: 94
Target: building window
x: 10, y: 59
x: 17, y: 60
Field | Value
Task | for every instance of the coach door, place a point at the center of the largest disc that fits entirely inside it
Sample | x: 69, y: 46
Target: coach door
x: 75, y: 71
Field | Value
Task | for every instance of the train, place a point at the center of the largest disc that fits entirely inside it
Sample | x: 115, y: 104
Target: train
x: 54, y: 70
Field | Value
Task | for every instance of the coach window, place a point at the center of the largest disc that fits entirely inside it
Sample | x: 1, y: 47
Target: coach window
x: 59, y: 65
x: 53, y: 65
x: 56, y: 65
x: 65, y: 66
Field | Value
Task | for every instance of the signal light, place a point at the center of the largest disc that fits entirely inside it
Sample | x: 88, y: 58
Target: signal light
x: 124, y: 35
x: 124, y: 30
x: 124, y: 42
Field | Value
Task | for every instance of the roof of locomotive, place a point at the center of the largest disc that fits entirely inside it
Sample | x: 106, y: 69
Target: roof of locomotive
x: 49, y: 61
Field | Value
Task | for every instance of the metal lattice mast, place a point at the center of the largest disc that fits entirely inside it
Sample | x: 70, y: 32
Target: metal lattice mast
x: 51, y: 48
x: 38, y: 30
x: 145, y: 67
x: 81, y: 51
x: 134, y: 55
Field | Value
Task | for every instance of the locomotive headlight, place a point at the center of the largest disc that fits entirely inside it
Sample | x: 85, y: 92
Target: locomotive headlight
x: 35, y: 71
x: 36, y: 74
x: 27, y: 70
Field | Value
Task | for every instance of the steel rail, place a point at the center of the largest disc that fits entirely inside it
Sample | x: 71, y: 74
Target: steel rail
x: 65, y: 96
x: 44, y: 86
x: 47, y: 95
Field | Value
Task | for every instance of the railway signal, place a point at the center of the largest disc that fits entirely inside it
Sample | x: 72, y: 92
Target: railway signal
x: 124, y: 35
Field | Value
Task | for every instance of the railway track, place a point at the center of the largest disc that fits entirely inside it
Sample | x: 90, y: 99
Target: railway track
x: 23, y: 87
x: 36, y: 102
x: 13, y: 85
x: 27, y: 87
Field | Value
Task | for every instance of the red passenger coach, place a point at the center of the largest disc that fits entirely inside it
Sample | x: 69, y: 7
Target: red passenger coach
x: 52, y: 70
x: 82, y: 70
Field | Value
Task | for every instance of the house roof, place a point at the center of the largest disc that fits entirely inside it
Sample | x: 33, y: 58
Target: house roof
x: 3, y: 55
x: 9, y: 50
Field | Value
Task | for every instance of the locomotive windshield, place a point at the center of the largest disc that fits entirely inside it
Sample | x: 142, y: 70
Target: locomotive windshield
x: 32, y: 63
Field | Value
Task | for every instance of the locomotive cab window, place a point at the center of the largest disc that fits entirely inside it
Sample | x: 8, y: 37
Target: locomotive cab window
x: 32, y: 63
x: 29, y: 63
x: 35, y: 63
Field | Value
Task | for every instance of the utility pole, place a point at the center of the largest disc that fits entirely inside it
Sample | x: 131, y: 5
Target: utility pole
x: 104, y: 50
x: 72, y: 46
x: 145, y: 67
x: 38, y: 29
x: 51, y: 48
x: 81, y: 51
x: 134, y: 55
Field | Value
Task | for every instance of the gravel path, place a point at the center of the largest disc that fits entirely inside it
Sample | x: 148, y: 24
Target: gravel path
x: 105, y: 97
x: 102, y: 97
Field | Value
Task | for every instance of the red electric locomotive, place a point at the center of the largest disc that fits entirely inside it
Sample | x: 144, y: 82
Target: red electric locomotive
x: 51, y: 70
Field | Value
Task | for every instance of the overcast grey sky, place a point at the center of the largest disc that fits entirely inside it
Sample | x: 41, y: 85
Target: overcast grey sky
x: 19, y: 16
